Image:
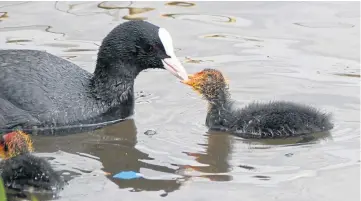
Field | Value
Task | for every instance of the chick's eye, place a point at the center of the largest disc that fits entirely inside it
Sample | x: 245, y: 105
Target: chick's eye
x: 3, y: 145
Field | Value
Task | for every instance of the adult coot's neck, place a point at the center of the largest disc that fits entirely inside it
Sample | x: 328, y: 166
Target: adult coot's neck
x: 117, y: 66
x: 112, y: 82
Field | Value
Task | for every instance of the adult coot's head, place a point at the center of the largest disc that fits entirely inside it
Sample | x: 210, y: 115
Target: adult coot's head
x: 210, y: 83
x: 14, y: 144
x: 137, y: 45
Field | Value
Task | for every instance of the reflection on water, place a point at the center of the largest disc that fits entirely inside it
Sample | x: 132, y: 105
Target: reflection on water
x: 290, y: 141
x: 61, y: 45
x: 180, y: 4
x: 196, y: 61
x: 115, y: 147
x: 46, y: 28
x: 117, y: 152
x: 106, y: 7
x: 3, y: 15
x: 68, y: 7
x: 18, y: 41
x: 215, y: 158
x: 200, y: 17
x: 324, y: 24
x: 123, y: 156
x: 8, y: 4
x: 133, y: 11
x: 232, y: 37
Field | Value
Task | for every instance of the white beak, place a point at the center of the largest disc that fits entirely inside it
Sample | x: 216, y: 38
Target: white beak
x: 174, y: 66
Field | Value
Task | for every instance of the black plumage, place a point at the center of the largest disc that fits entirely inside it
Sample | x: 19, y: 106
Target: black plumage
x: 38, y: 89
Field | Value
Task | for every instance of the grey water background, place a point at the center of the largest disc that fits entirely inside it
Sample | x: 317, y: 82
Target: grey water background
x: 307, y: 52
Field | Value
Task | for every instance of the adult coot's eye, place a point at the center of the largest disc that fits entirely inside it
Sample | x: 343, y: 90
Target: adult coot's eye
x: 149, y: 48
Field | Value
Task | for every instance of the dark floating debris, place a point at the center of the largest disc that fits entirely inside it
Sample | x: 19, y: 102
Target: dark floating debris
x: 347, y: 74
x: 150, y: 132
x: 262, y: 177
x: 18, y: 41
x: 80, y: 50
x: 247, y: 167
x: 289, y: 154
x: 69, y: 57
x: 180, y: 3
x: 141, y: 94
x: 165, y: 194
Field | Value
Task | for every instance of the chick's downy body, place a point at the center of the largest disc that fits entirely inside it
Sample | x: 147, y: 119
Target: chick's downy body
x: 22, y: 171
x: 276, y: 119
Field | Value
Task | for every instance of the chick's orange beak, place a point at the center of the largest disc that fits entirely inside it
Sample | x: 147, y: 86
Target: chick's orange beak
x: 189, y: 81
x: 194, y: 79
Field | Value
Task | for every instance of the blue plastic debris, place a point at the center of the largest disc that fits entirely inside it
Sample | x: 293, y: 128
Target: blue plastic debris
x: 127, y: 175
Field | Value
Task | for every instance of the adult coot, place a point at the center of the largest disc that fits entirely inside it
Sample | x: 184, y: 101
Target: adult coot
x: 21, y: 171
x: 38, y: 89
x: 278, y: 119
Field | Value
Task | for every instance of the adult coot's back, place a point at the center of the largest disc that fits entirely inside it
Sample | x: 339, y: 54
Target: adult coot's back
x: 278, y: 119
x: 43, y: 90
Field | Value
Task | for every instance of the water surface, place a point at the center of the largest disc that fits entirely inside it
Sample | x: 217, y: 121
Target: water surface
x: 307, y: 52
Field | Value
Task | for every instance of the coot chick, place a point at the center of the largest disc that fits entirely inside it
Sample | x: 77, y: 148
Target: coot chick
x: 278, y: 119
x: 38, y: 89
x: 23, y: 172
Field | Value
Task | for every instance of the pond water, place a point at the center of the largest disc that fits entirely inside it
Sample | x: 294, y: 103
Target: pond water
x: 307, y: 52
